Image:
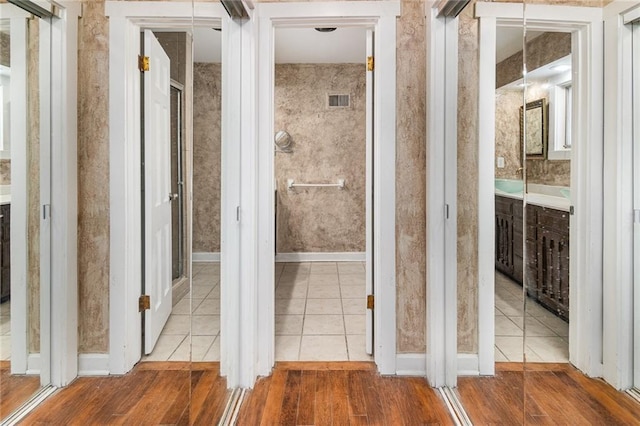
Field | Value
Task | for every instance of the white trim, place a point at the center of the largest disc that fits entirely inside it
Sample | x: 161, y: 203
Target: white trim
x: 468, y: 365
x: 585, y: 341
x: 442, y: 94
x: 322, y: 257
x: 205, y: 257
x: 260, y: 187
x: 411, y: 365
x: 125, y: 22
x: 93, y: 364
x: 64, y: 190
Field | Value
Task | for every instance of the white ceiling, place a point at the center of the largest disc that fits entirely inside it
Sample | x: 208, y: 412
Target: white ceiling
x: 308, y: 46
x: 206, y: 45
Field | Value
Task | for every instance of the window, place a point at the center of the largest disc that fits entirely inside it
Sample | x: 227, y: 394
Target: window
x: 560, y: 112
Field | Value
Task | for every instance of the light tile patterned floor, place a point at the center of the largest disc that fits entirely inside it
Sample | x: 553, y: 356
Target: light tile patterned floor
x: 547, y: 335
x: 320, y: 311
x: 174, y: 343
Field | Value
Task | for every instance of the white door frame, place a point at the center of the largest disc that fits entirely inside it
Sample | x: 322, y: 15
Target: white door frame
x: 585, y: 24
x: 260, y: 186
x: 58, y: 360
x: 618, y: 353
x: 442, y: 235
x: 126, y: 19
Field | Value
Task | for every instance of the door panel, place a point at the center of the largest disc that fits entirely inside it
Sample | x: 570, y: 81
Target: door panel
x: 157, y: 190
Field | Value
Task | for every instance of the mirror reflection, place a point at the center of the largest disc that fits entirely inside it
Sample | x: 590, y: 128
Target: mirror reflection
x: 24, y: 187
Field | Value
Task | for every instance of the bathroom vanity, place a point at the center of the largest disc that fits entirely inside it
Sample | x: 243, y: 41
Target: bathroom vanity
x: 547, y: 251
x: 5, y: 252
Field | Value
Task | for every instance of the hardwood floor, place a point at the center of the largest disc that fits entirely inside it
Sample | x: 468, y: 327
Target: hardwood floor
x: 548, y: 394
x: 152, y: 393
x: 328, y: 393
x: 14, y: 389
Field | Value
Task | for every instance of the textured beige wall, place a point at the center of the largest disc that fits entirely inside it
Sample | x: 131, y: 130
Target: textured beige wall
x: 206, y: 157
x: 328, y: 145
x: 5, y: 49
x: 5, y: 172
x: 93, y: 172
x: 508, y: 103
x: 33, y: 197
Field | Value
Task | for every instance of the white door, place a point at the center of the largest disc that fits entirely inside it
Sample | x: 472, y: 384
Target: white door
x: 157, y: 190
x: 369, y: 195
x: 636, y: 201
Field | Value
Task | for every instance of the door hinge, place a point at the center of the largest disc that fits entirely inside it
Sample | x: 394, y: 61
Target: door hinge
x: 370, y: 66
x: 143, y: 63
x: 144, y: 303
x: 370, y: 301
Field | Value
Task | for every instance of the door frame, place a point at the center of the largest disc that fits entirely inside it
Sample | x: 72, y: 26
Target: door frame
x: 58, y: 361
x: 260, y: 186
x: 618, y: 301
x: 586, y: 316
x: 126, y: 19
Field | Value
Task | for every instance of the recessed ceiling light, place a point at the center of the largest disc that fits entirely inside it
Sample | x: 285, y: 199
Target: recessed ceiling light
x: 561, y: 67
x: 325, y: 30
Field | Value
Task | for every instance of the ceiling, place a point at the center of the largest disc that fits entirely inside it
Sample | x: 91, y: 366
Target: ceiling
x: 308, y: 46
x: 509, y: 41
x: 207, y: 44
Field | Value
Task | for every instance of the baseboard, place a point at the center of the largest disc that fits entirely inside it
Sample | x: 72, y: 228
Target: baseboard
x: 322, y: 257
x: 33, y: 364
x: 93, y: 364
x: 411, y: 365
x: 468, y: 365
x: 198, y: 257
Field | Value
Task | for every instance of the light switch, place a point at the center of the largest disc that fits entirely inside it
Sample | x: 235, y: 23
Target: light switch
x: 500, y: 162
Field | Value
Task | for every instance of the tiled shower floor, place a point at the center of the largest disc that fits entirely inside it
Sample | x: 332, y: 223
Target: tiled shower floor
x: 547, y: 335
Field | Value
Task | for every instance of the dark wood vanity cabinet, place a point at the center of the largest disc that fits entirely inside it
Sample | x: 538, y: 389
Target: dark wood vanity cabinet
x: 5, y: 252
x: 547, y: 246
x: 508, y: 244
x: 548, y: 268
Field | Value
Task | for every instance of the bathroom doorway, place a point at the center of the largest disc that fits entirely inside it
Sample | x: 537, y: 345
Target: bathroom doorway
x: 585, y: 262
x: 322, y: 170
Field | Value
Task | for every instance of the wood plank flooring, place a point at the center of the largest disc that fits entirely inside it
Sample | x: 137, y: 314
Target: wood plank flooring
x: 327, y: 393
x: 153, y: 393
x: 15, y: 389
x: 545, y: 394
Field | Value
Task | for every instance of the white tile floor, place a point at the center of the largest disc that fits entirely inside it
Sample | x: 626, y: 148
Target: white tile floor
x: 5, y: 331
x: 174, y: 343
x: 320, y: 311
x: 547, y: 335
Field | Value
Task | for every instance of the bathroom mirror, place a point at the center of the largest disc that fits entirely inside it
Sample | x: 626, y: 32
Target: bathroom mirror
x: 535, y: 132
x: 25, y: 68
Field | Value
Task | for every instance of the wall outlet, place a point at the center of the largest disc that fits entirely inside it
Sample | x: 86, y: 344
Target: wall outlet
x: 500, y: 162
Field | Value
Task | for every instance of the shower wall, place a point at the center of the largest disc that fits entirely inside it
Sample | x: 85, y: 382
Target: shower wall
x: 206, y: 157
x: 328, y: 144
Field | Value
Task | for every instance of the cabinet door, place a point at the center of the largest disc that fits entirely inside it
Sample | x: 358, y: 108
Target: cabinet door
x: 504, y: 236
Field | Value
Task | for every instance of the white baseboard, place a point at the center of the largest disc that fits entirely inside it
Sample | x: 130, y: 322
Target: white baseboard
x: 93, y: 364
x: 205, y: 257
x: 357, y: 256
x: 411, y: 365
x: 468, y: 365
x: 33, y: 364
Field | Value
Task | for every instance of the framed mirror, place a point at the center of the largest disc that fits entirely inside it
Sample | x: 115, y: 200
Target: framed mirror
x: 533, y: 125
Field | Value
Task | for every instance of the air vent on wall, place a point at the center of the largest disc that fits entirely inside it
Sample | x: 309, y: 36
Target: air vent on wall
x: 339, y: 101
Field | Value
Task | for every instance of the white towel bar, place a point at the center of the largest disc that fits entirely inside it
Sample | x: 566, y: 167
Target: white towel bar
x: 291, y: 184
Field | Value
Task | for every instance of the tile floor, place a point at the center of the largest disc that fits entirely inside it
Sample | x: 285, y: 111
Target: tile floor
x: 174, y: 343
x: 5, y: 331
x: 320, y: 311
x: 547, y: 335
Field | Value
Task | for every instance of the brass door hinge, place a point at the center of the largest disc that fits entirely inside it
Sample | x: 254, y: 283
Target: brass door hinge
x: 143, y: 63
x: 370, y: 301
x: 370, y: 63
x: 144, y: 303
